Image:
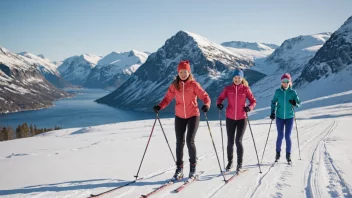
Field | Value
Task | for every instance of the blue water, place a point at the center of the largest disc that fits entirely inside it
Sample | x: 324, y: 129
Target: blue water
x: 79, y: 111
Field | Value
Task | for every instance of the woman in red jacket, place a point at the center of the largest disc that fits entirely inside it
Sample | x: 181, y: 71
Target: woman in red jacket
x: 185, y: 90
x: 236, y: 95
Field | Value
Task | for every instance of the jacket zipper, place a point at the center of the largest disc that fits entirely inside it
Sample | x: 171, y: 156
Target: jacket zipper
x: 284, y: 104
x: 236, y: 105
x: 183, y: 97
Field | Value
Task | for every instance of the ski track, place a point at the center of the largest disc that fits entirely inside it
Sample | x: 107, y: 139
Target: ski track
x: 251, y: 183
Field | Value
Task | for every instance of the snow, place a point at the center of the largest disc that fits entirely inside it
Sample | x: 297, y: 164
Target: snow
x: 123, y: 62
x: 79, y: 161
x: 41, y: 62
x: 13, y: 60
x: 252, y: 50
x: 91, y: 58
x: 253, y: 54
x: 209, y: 47
x: 292, y: 55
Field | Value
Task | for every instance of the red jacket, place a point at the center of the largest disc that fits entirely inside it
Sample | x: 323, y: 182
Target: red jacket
x: 186, y: 98
x: 236, y: 96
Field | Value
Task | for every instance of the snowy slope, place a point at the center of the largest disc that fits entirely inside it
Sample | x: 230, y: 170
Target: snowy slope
x: 114, y: 69
x: 22, y: 86
x: 252, y: 50
x: 80, y: 161
x: 211, y: 64
x: 330, y: 70
x: 293, y: 54
x: 44, y: 65
x: 291, y: 57
x: 76, y: 69
x: 47, y: 68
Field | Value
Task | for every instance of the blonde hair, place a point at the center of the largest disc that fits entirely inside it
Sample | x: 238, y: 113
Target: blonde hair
x: 177, y: 80
x: 244, y: 82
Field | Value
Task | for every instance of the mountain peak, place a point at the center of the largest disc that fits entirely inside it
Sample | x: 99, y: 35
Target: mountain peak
x: 91, y: 58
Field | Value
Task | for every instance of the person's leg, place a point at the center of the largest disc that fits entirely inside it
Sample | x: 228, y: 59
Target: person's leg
x: 288, y: 131
x: 180, y: 130
x: 241, y: 128
x: 280, y: 136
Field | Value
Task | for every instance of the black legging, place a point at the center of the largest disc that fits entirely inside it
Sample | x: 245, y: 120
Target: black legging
x: 231, y: 126
x: 192, y: 124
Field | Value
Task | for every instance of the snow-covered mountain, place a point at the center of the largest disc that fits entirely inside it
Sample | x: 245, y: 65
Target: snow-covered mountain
x: 251, y: 49
x: 76, y: 69
x: 211, y: 65
x: 47, y: 68
x: 22, y: 86
x: 114, y: 69
x: 330, y: 70
x: 290, y: 57
x: 294, y: 53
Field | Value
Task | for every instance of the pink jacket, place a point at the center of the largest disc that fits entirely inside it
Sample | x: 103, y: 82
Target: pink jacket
x: 236, y: 96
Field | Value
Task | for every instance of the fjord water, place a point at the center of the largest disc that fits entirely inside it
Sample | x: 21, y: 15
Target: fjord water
x: 79, y: 111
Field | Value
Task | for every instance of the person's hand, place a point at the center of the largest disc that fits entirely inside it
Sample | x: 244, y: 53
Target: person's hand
x: 247, y: 109
x: 293, y: 102
x: 156, y: 108
x: 220, y: 106
x: 205, y: 108
x: 272, y: 116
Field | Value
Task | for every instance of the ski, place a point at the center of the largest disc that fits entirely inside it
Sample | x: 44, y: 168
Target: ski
x: 113, y: 189
x: 235, y: 175
x: 170, y: 182
x: 188, y: 182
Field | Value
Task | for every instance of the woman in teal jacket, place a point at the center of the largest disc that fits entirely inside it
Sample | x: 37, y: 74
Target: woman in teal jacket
x: 282, y: 104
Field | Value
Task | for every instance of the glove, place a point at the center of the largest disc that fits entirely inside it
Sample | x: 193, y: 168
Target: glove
x: 293, y: 102
x: 205, y: 108
x: 247, y: 109
x: 220, y: 106
x: 272, y: 116
x: 156, y: 108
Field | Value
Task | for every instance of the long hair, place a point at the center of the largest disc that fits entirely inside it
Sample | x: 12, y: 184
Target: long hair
x: 177, y: 80
x: 245, y: 82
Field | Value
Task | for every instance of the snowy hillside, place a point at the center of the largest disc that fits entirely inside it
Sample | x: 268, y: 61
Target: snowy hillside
x: 76, y: 69
x: 22, y: 86
x: 80, y: 161
x: 330, y: 70
x: 47, y: 68
x: 114, y: 69
x: 252, y: 50
x: 290, y: 57
x: 211, y: 64
x: 293, y: 54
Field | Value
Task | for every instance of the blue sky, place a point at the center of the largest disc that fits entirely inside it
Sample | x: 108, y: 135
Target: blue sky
x: 59, y: 29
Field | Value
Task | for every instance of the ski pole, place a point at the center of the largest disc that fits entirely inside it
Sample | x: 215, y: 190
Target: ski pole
x: 211, y: 136
x: 222, y: 140
x: 151, y: 133
x: 260, y: 170
x: 166, y: 138
x: 266, y: 141
x: 299, y: 149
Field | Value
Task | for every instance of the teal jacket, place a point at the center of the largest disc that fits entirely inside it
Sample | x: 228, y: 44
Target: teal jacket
x: 281, y: 105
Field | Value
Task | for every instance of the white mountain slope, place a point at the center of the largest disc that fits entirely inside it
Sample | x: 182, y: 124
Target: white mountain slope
x: 22, y: 86
x: 80, y: 161
x: 76, y: 69
x: 47, y: 68
x: 114, y: 69
x: 251, y: 49
x: 293, y: 54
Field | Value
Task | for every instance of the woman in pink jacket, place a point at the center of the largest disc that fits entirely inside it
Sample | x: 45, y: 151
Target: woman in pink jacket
x: 236, y: 118
x: 185, y: 90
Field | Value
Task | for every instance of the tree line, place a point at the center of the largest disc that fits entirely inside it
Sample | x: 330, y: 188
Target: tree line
x: 22, y: 131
